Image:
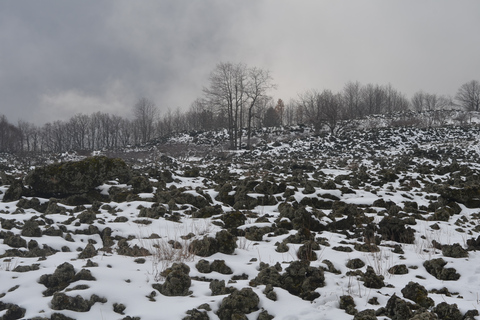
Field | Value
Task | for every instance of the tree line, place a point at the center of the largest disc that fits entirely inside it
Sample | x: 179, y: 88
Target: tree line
x: 237, y: 99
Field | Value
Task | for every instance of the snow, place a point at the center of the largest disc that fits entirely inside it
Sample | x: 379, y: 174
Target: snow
x: 119, y: 279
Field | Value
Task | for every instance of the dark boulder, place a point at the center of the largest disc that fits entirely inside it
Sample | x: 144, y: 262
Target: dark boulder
x: 70, y: 178
x: 238, y: 304
x: 177, y: 281
x: 14, y: 191
x: 418, y: 294
x: 436, y: 268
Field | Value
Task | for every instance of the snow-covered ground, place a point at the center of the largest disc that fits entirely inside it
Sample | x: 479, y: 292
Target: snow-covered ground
x: 410, y: 169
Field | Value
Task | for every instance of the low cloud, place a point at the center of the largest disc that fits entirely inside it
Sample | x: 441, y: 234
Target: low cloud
x: 115, y: 99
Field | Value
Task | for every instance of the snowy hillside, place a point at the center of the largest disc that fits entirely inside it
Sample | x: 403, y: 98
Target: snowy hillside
x: 372, y: 224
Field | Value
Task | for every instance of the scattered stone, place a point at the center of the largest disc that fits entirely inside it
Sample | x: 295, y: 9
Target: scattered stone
x: 473, y: 244
x: 238, y: 304
x: 218, y: 288
x: 355, y: 263
x: 418, y: 294
x: 203, y: 266
x: 88, y: 252
x: 393, y: 228
x: 33, y: 267
x: 436, y: 268
x: 372, y: 280
x: 367, y: 314
x: 454, y: 251
x: 331, y: 267
x: 448, y: 311
x: 282, y: 247
x: 119, y: 308
x: 59, y: 316
x: 14, y: 191
x: 220, y: 267
x: 264, y: 315
x: 195, y: 314
x: 31, y: 229
x: 59, y: 280
x: 13, y: 311
x: 61, y: 301
x: 398, y: 309
x: 69, y: 178
x: 348, y: 304
x: 204, y: 247
x: 135, y: 251
x: 233, y: 219
x: 13, y: 240
x: 177, y: 281
x: 398, y: 269
x: 270, y: 293
x: 343, y: 249
x: 305, y: 252
x: 366, y: 247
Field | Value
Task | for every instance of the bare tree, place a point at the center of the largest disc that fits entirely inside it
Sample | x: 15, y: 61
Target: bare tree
x: 324, y: 109
x: 437, y: 102
x: 271, y: 118
x: 226, y: 91
x: 29, y: 136
x: 468, y: 96
x: 146, y: 114
x: 258, y: 84
x: 333, y: 110
x: 10, y: 136
x: 373, y: 98
x: 311, y: 109
x: 290, y: 113
x: 79, y: 130
x: 395, y: 101
x: 418, y: 101
x: 352, y: 100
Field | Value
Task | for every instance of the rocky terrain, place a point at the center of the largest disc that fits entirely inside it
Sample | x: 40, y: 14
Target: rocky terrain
x: 371, y: 224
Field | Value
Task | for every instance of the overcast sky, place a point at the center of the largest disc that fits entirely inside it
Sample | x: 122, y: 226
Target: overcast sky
x: 59, y: 58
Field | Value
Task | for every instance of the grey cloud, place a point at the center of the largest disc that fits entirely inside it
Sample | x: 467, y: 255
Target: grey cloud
x: 60, y: 58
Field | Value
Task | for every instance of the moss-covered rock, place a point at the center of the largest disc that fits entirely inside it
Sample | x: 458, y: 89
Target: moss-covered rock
x: 78, y: 177
x: 355, y: 263
x: 238, y: 304
x: 125, y: 249
x: 436, y: 268
x: 347, y: 303
x: 398, y: 269
x: 195, y: 314
x: 61, y: 301
x: 448, y: 311
x: 372, y: 280
x: 13, y: 240
x: 417, y: 293
x: 218, y: 288
x: 14, y: 191
x: 177, y: 281
x: 367, y: 314
x: 469, y: 195
x: 233, y: 219
x: 141, y: 184
x: 13, y: 311
x: 204, y: 247
x: 398, y: 309
x: 306, y: 251
x: 226, y: 242
x: 393, y: 228
x: 454, y: 251
x: 59, y: 280
x: 88, y: 252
